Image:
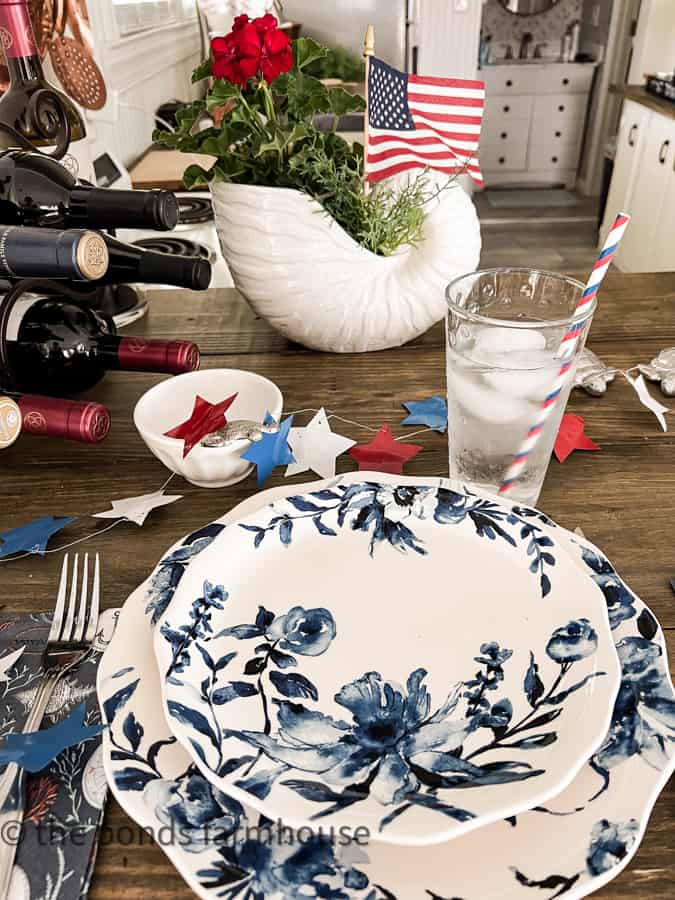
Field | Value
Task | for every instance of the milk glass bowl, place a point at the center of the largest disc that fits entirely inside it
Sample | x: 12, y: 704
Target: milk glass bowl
x: 504, y: 329
x: 171, y: 401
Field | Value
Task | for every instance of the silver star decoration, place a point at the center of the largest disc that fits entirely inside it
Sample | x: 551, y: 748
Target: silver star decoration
x: 640, y: 387
x: 137, y: 509
x: 316, y: 447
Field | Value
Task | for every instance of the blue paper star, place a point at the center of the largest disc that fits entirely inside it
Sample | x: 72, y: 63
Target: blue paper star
x: 271, y: 451
x: 432, y: 412
x: 36, y: 750
x: 33, y: 537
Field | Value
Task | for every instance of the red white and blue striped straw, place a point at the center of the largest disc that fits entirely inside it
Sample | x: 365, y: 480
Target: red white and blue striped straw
x: 566, y: 352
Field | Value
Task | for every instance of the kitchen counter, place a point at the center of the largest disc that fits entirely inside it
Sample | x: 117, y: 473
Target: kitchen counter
x: 641, y: 95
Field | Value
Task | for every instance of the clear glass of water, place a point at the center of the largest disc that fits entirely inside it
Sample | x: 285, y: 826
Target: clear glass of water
x: 504, y: 328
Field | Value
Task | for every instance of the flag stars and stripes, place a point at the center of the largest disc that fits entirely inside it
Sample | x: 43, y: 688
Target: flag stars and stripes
x: 443, y: 114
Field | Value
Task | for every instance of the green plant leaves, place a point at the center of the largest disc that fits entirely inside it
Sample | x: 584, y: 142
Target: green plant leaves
x: 305, y: 51
x: 341, y: 101
x: 203, y: 70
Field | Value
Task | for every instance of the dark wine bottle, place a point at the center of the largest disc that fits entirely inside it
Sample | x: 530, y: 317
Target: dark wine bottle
x: 32, y: 107
x: 129, y: 264
x: 72, y: 420
x: 44, y: 253
x: 37, y: 190
x: 64, y: 347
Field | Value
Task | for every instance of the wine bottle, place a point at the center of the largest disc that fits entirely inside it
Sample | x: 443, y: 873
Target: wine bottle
x: 32, y: 108
x: 72, y: 420
x: 37, y: 190
x: 132, y: 264
x: 43, y: 253
x: 65, y: 347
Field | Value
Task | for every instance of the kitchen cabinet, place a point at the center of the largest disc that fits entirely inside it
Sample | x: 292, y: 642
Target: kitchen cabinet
x: 534, y: 122
x: 643, y: 185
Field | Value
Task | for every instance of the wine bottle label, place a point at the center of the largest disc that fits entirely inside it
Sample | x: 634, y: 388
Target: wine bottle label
x: 19, y: 310
x: 16, y: 30
x: 5, y: 268
x: 10, y: 422
x: 92, y: 255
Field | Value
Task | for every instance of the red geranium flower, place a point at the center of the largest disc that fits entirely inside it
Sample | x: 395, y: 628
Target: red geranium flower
x: 277, y: 53
x: 266, y: 23
x: 236, y: 57
x: 240, y: 21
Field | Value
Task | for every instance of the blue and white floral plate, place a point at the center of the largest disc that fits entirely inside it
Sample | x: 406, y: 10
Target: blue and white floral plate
x: 407, y: 661
x: 223, y: 849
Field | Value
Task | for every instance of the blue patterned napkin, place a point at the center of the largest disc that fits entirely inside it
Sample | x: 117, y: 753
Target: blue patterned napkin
x: 64, y: 802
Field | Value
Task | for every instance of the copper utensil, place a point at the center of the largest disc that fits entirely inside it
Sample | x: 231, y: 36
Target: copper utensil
x: 78, y: 19
x: 42, y: 15
x: 75, y: 67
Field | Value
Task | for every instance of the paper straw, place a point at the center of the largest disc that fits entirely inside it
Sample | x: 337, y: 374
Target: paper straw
x: 566, y: 352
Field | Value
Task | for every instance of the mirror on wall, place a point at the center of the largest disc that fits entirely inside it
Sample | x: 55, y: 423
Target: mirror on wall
x: 527, y: 7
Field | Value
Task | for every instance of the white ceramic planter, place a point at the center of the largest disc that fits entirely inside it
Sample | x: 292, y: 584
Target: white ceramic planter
x: 302, y: 272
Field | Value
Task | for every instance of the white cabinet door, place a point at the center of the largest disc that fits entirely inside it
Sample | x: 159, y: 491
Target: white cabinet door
x: 646, y: 203
x: 664, y: 241
x: 630, y: 140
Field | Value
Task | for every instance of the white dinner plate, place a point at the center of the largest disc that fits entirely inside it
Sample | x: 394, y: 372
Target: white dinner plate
x: 407, y: 661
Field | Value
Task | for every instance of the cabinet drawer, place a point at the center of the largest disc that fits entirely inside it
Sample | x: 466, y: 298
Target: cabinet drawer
x: 507, y: 108
x: 506, y: 80
x: 565, y: 79
x: 507, y: 159
x: 557, y: 109
x: 542, y: 155
x: 502, y: 131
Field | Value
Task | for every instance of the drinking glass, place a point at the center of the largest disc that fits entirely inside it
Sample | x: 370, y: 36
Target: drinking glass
x: 504, y: 329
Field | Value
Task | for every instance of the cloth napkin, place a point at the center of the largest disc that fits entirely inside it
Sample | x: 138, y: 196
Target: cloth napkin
x: 64, y: 802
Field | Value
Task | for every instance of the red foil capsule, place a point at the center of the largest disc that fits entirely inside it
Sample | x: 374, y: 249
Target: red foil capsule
x: 72, y: 420
x: 16, y: 30
x: 170, y: 357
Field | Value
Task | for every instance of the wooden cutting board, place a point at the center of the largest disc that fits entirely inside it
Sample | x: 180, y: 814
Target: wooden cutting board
x: 164, y: 169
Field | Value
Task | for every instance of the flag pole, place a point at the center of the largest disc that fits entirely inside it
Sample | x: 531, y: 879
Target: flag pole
x: 368, y: 51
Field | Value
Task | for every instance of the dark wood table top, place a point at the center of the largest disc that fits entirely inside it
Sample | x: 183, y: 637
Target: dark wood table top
x: 623, y: 498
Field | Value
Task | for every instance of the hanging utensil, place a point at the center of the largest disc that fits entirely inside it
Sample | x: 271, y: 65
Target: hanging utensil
x: 78, y: 19
x: 75, y: 68
x: 42, y: 14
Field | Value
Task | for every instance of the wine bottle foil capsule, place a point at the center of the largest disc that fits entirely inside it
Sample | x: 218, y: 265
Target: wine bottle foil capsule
x: 10, y: 422
x: 72, y: 420
x: 169, y: 357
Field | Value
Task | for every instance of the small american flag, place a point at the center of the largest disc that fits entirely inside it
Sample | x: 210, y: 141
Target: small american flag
x: 416, y: 121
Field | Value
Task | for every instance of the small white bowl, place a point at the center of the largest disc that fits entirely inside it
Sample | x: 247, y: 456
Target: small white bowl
x: 170, y: 402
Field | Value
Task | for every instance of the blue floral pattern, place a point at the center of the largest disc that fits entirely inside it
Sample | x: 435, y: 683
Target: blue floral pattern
x: 396, y: 749
x: 388, y: 514
x: 249, y: 871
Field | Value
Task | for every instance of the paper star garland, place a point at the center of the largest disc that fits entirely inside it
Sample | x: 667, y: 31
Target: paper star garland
x: 432, y: 412
x: 205, y: 418
x: 33, y: 537
x: 137, y: 509
x: 383, y: 453
x: 646, y: 399
x: 35, y: 750
x: 271, y: 451
x: 8, y: 660
x: 571, y: 437
x: 316, y: 447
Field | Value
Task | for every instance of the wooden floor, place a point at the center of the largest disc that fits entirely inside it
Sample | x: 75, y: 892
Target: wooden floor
x: 540, y: 244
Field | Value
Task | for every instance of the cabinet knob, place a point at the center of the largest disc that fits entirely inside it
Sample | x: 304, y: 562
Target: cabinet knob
x: 503, y: 135
x: 561, y: 108
x: 502, y: 160
x: 507, y: 108
x: 558, y: 133
x: 509, y: 83
x: 565, y: 81
x: 554, y: 159
x: 631, y: 139
x: 663, y: 152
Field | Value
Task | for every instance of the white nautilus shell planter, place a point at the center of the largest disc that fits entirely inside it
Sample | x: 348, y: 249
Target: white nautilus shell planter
x: 302, y: 272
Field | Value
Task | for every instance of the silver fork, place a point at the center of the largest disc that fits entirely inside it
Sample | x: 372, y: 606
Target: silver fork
x: 70, y: 639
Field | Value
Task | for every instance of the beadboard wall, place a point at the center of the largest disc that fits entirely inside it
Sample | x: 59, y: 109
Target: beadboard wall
x: 546, y: 27
x: 141, y: 70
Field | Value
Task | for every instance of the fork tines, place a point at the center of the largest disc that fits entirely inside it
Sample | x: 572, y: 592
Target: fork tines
x: 76, y: 625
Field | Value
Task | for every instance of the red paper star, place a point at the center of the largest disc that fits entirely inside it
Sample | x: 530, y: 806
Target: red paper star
x: 571, y: 437
x: 206, y: 417
x: 383, y: 453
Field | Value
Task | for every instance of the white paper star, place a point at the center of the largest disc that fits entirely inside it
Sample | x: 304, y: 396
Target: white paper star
x: 647, y: 400
x: 316, y: 447
x: 137, y: 509
x: 8, y: 660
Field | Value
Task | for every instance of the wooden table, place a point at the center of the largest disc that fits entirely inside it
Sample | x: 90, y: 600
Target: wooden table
x: 623, y: 498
